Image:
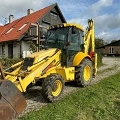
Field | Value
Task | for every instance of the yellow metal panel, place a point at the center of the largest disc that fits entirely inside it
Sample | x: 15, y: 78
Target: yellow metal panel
x: 67, y: 73
x: 79, y: 57
x: 11, y: 77
x: 39, y: 70
x: 66, y: 25
x: 42, y: 53
x: 73, y: 24
x: 51, y: 70
x: 15, y: 65
x: 89, y: 40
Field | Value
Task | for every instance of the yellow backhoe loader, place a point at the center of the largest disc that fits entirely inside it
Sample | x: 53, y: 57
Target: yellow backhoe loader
x: 68, y: 55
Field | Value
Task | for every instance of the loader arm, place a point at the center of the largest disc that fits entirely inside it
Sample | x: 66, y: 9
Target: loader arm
x: 12, y: 102
x: 36, y: 71
x: 89, y: 40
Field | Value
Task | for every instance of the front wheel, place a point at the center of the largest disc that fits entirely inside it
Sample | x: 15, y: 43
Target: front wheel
x: 84, y: 73
x: 52, y: 87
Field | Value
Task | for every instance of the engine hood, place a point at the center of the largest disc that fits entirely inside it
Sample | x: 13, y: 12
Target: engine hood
x: 42, y: 54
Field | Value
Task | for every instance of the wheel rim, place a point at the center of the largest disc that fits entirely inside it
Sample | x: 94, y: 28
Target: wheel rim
x: 87, y: 72
x: 57, y: 87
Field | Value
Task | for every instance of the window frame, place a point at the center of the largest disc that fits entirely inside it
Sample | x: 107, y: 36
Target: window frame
x: 111, y: 50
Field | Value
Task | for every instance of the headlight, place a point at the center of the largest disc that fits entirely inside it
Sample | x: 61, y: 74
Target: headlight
x: 61, y: 25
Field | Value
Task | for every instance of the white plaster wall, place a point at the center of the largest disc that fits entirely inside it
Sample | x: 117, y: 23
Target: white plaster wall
x: 5, y: 53
x: 25, y: 49
x: 16, y: 50
x: 6, y: 50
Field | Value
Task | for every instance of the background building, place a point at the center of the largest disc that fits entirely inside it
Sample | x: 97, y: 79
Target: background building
x: 15, y: 35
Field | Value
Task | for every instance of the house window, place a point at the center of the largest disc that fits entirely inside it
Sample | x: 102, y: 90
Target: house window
x: 9, y: 30
x: 22, y: 27
x: 111, y: 50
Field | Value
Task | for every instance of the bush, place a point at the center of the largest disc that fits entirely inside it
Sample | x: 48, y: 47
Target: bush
x: 6, y: 62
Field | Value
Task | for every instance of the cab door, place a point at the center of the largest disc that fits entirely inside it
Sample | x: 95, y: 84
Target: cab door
x: 75, y: 40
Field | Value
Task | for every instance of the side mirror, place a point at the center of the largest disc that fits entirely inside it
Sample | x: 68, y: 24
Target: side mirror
x: 82, y: 46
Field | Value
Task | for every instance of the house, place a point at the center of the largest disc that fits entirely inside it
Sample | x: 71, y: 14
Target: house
x: 15, y: 35
x: 112, y: 49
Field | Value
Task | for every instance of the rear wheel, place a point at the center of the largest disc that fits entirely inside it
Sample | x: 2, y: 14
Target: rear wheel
x: 52, y: 87
x: 84, y: 72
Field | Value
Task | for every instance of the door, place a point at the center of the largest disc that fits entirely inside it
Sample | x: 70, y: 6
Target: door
x: 10, y: 50
x: 76, y: 40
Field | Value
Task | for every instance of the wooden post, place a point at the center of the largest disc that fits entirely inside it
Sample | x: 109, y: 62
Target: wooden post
x: 1, y: 71
x: 38, y: 37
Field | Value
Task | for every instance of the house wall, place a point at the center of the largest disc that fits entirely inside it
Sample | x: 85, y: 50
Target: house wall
x: 6, y: 49
x: 16, y: 50
x: 3, y: 51
x: 25, y: 49
x: 51, y: 18
x: 116, y: 50
x: 0, y: 50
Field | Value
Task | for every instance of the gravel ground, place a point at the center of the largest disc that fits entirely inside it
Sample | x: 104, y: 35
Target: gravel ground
x: 35, y: 100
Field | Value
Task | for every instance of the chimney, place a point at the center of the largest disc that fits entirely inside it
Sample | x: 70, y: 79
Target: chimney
x: 11, y: 18
x: 29, y: 11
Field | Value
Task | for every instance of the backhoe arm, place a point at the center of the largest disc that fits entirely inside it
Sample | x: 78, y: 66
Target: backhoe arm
x: 89, y: 44
x: 89, y: 40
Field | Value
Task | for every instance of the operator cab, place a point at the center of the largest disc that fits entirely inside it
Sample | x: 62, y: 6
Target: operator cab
x: 68, y: 38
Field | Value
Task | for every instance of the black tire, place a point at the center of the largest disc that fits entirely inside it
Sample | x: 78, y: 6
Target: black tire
x: 52, y: 87
x: 84, y: 73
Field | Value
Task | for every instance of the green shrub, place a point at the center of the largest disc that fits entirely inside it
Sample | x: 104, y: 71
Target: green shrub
x: 7, y: 62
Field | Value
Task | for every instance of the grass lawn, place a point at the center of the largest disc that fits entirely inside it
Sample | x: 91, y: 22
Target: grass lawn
x: 96, y: 102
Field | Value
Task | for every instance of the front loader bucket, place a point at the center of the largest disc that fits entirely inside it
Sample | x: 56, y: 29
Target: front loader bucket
x: 12, y: 102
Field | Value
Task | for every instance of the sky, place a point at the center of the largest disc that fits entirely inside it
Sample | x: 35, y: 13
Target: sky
x: 105, y: 13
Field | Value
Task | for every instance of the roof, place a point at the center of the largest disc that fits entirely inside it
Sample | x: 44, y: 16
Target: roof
x: 14, y: 30
x: 115, y: 43
x: 1, y: 28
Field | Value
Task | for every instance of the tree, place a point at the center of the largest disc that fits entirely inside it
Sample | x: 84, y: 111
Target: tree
x: 113, y: 41
x: 99, y: 42
x: 32, y: 46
